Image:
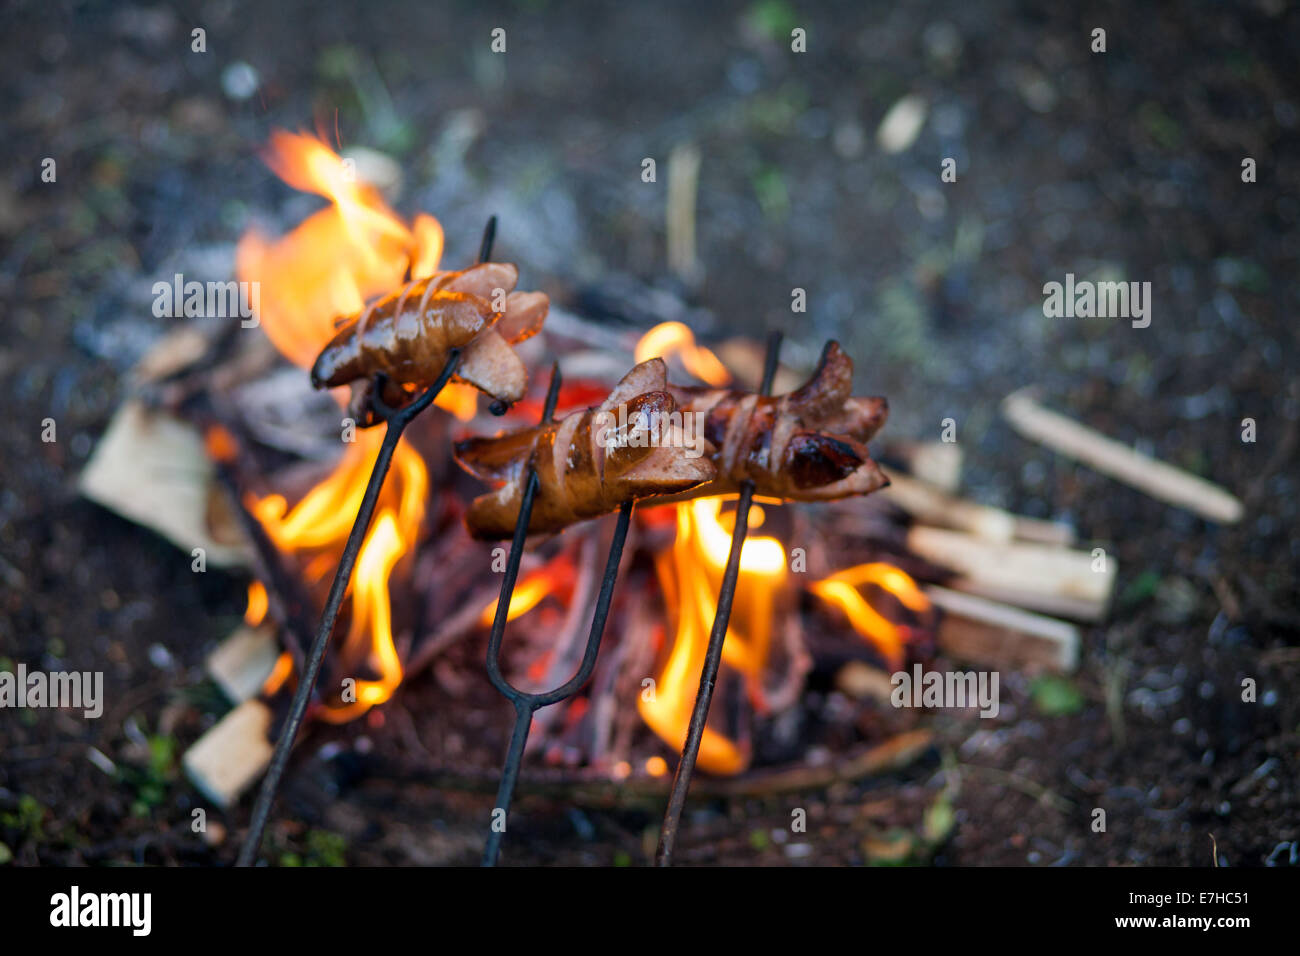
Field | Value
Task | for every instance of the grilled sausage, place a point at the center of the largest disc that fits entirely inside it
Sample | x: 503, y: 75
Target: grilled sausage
x: 589, y: 463
x: 809, y: 445
x: 408, y: 335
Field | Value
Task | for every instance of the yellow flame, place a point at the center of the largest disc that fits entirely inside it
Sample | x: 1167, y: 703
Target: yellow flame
x: 372, y: 616
x: 691, y: 575
x: 526, y: 596
x: 279, y: 674
x: 675, y: 338
x: 842, y: 590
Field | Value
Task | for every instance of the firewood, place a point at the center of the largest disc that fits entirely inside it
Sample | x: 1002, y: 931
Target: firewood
x: 985, y: 632
x: 932, y: 506
x: 1147, y: 474
x: 242, y: 662
x: 1055, y: 580
x: 226, y: 760
x: 152, y: 469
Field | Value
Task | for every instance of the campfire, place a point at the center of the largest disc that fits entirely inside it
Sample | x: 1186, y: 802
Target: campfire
x: 832, y: 593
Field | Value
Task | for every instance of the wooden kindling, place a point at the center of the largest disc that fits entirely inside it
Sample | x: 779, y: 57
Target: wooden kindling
x: 1147, y: 474
x: 1054, y: 580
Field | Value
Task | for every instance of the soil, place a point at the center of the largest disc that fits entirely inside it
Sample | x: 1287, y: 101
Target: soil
x: 1126, y: 164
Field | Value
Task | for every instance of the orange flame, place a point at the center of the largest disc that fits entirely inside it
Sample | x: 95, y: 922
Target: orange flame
x: 528, y: 595
x: 675, y: 338
x: 279, y: 674
x: 255, y: 613
x: 328, y: 266
x: 691, y: 575
x: 843, y: 590
x: 333, y: 261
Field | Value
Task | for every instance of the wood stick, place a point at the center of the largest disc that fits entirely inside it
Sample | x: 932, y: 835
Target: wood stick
x: 985, y: 632
x: 462, y: 623
x: 225, y: 761
x: 931, y: 505
x: 594, y: 788
x: 1039, y: 577
x: 683, y: 183
x: 151, y: 468
x: 1147, y: 474
x: 242, y: 662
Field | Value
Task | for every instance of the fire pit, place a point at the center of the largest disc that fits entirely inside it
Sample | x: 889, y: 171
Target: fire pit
x: 702, y: 600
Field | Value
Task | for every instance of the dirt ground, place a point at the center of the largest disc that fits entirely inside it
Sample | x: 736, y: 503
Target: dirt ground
x: 1125, y: 164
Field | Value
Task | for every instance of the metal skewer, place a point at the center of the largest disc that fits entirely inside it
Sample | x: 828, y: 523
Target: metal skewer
x: 717, y: 637
x: 526, y: 704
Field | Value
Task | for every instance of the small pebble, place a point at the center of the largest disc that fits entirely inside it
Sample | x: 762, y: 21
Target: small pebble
x: 160, y: 657
x: 239, y: 81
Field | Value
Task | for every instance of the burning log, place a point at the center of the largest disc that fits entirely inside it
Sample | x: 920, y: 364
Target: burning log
x: 1040, y: 577
x: 1112, y: 458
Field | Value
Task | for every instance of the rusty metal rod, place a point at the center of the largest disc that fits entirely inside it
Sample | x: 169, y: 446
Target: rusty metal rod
x: 717, y: 637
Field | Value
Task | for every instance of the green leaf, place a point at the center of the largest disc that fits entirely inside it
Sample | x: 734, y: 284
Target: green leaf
x: 773, y: 18
x: 1141, y: 588
x: 1055, y: 696
x: 939, y: 820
